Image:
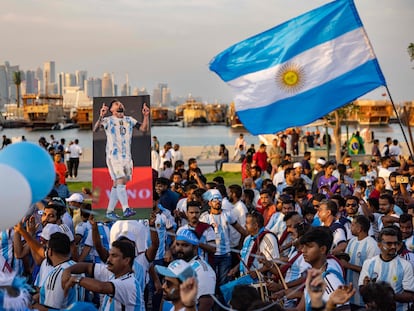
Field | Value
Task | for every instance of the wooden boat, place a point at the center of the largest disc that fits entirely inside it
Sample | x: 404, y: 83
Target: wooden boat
x: 192, y: 113
x: 43, y: 111
x: 216, y: 113
x: 84, y: 117
x: 162, y: 115
x: 374, y: 112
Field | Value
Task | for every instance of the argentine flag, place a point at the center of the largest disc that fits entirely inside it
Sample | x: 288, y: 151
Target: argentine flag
x: 301, y: 70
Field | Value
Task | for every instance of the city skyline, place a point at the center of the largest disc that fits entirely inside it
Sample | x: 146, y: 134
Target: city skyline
x: 173, y: 42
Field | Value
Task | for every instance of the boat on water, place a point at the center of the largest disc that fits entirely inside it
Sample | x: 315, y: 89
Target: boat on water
x: 232, y: 119
x: 216, y: 113
x: 192, y: 113
x: 162, y: 115
x: 43, y: 111
x: 373, y: 112
x: 84, y: 117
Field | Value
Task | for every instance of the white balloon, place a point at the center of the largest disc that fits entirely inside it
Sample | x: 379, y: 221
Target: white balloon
x: 15, y: 196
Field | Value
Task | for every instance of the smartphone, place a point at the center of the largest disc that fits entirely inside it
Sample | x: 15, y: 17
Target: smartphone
x: 401, y: 179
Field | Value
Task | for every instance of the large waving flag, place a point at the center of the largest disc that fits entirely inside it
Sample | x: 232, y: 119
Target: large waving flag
x: 301, y: 70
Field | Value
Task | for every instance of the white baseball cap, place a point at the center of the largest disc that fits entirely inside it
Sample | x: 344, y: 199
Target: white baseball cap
x: 297, y: 164
x: 48, y: 230
x: 76, y: 197
x: 178, y: 269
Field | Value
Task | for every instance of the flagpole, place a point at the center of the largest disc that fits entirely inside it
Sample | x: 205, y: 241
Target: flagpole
x: 399, y: 121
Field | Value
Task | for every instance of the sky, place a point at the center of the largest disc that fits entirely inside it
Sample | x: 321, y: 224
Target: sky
x: 173, y: 41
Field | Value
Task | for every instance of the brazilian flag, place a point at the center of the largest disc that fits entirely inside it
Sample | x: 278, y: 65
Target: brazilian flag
x: 356, y: 145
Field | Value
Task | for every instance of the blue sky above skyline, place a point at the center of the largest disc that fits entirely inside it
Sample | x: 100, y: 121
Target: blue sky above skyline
x: 173, y: 41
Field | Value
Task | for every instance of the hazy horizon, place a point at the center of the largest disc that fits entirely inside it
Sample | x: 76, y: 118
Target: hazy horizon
x: 173, y: 41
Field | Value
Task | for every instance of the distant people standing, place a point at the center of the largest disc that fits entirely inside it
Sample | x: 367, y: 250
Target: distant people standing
x: 6, y: 141
x: 155, y: 144
x: 309, y: 140
x: 395, y: 150
x: 386, y: 149
x: 224, y: 157
x: 327, y: 141
x: 295, y: 142
x: 240, y: 141
x: 176, y: 154
x: 60, y: 149
x: 75, y: 151
x: 260, y: 158
x: 361, y: 148
x: 375, y: 151
x: 276, y: 155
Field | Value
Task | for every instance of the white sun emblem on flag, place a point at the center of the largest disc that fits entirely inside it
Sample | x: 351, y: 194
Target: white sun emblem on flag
x: 290, y: 77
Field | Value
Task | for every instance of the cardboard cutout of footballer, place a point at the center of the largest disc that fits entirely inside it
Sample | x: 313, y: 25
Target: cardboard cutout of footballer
x: 122, y: 155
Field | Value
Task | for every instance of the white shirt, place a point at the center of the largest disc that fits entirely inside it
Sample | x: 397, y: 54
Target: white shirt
x: 359, y: 251
x: 206, y: 277
x: 398, y: 273
x: 75, y: 151
x: 239, y: 212
x: 118, y: 137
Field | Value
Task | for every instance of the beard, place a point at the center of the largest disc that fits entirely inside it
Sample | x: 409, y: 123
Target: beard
x: 120, y: 110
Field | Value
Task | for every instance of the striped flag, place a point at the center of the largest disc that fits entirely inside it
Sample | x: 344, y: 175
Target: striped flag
x: 301, y: 70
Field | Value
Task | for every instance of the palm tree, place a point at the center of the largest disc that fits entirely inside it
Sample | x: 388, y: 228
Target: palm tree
x: 17, y: 79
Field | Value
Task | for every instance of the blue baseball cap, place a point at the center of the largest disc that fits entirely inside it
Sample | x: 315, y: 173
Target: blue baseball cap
x: 178, y: 269
x: 187, y: 236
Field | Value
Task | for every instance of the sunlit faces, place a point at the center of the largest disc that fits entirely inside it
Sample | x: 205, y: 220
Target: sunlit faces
x: 49, y: 216
x: 384, y: 206
x: 287, y: 207
x: 193, y: 214
x: 215, y: 206
x: 266, y: 200
x: 312, y: 252
x: 388, y: 246
x: 116, y: 261
x: 185, y: 250
x: 351, y: 207
x: 323, y: 212
x: 252, y: 226
x: 171, y: 289
x: 406, y: 229
x: 291, y: 223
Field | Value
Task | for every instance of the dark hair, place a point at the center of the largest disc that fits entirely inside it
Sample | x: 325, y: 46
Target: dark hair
x: 249, y: 193
x: 127, y: 249
x: 163, y: 181
x: 59, y: 243
x: 289, y: 215
x: 388, y: 197
x: 237, y: 190
x: 364, y: 222
x: 389, y: 231
x: 331, y: 206
x: 193, y: 203
x: 85, y: 209
x: 222, y: 189
x: 319, y: 197
x: 374, y: 203
x: 406, y: 218
x: 219, y: 180
x: 378, y: 296
x: 320, y: 235
x: 191, y: 161
x: 257, y: 216
x: 243, y: 296
x: 339, y: 198
x: 288, y: 171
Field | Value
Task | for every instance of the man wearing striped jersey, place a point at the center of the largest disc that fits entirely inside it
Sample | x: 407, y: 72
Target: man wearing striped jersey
x: 52, y: 294
x: 116, y: 280
x: 390, y: 268
x: 360, y: 248
x: 119, y: 129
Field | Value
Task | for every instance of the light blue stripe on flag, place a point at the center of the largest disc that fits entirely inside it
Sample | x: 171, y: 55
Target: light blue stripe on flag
x: 301, y: 70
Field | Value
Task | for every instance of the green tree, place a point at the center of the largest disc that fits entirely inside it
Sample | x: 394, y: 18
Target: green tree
x: 17, y: 79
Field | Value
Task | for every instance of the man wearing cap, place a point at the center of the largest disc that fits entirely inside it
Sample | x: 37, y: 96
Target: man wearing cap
x: 221, y: 222
x: 74, y: 203
x: 186, y: 247
x: 279, y: 177
x: 179, y: 277
x: 318, y: 172
x: 116, y: 280
x: 118, y: 129
x: 52, y: 294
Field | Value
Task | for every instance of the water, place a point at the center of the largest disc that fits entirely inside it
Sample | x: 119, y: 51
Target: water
x: 193, y: 136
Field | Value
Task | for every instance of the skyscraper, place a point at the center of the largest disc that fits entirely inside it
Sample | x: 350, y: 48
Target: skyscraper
x: 107, y: 85
x: 81, y: 76
x: 4, y: 87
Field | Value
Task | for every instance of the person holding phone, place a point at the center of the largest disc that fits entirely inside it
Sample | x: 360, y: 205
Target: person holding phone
x: 119, y: 129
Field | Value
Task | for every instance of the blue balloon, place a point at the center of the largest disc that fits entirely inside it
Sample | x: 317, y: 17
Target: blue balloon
x: 34, y: 163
